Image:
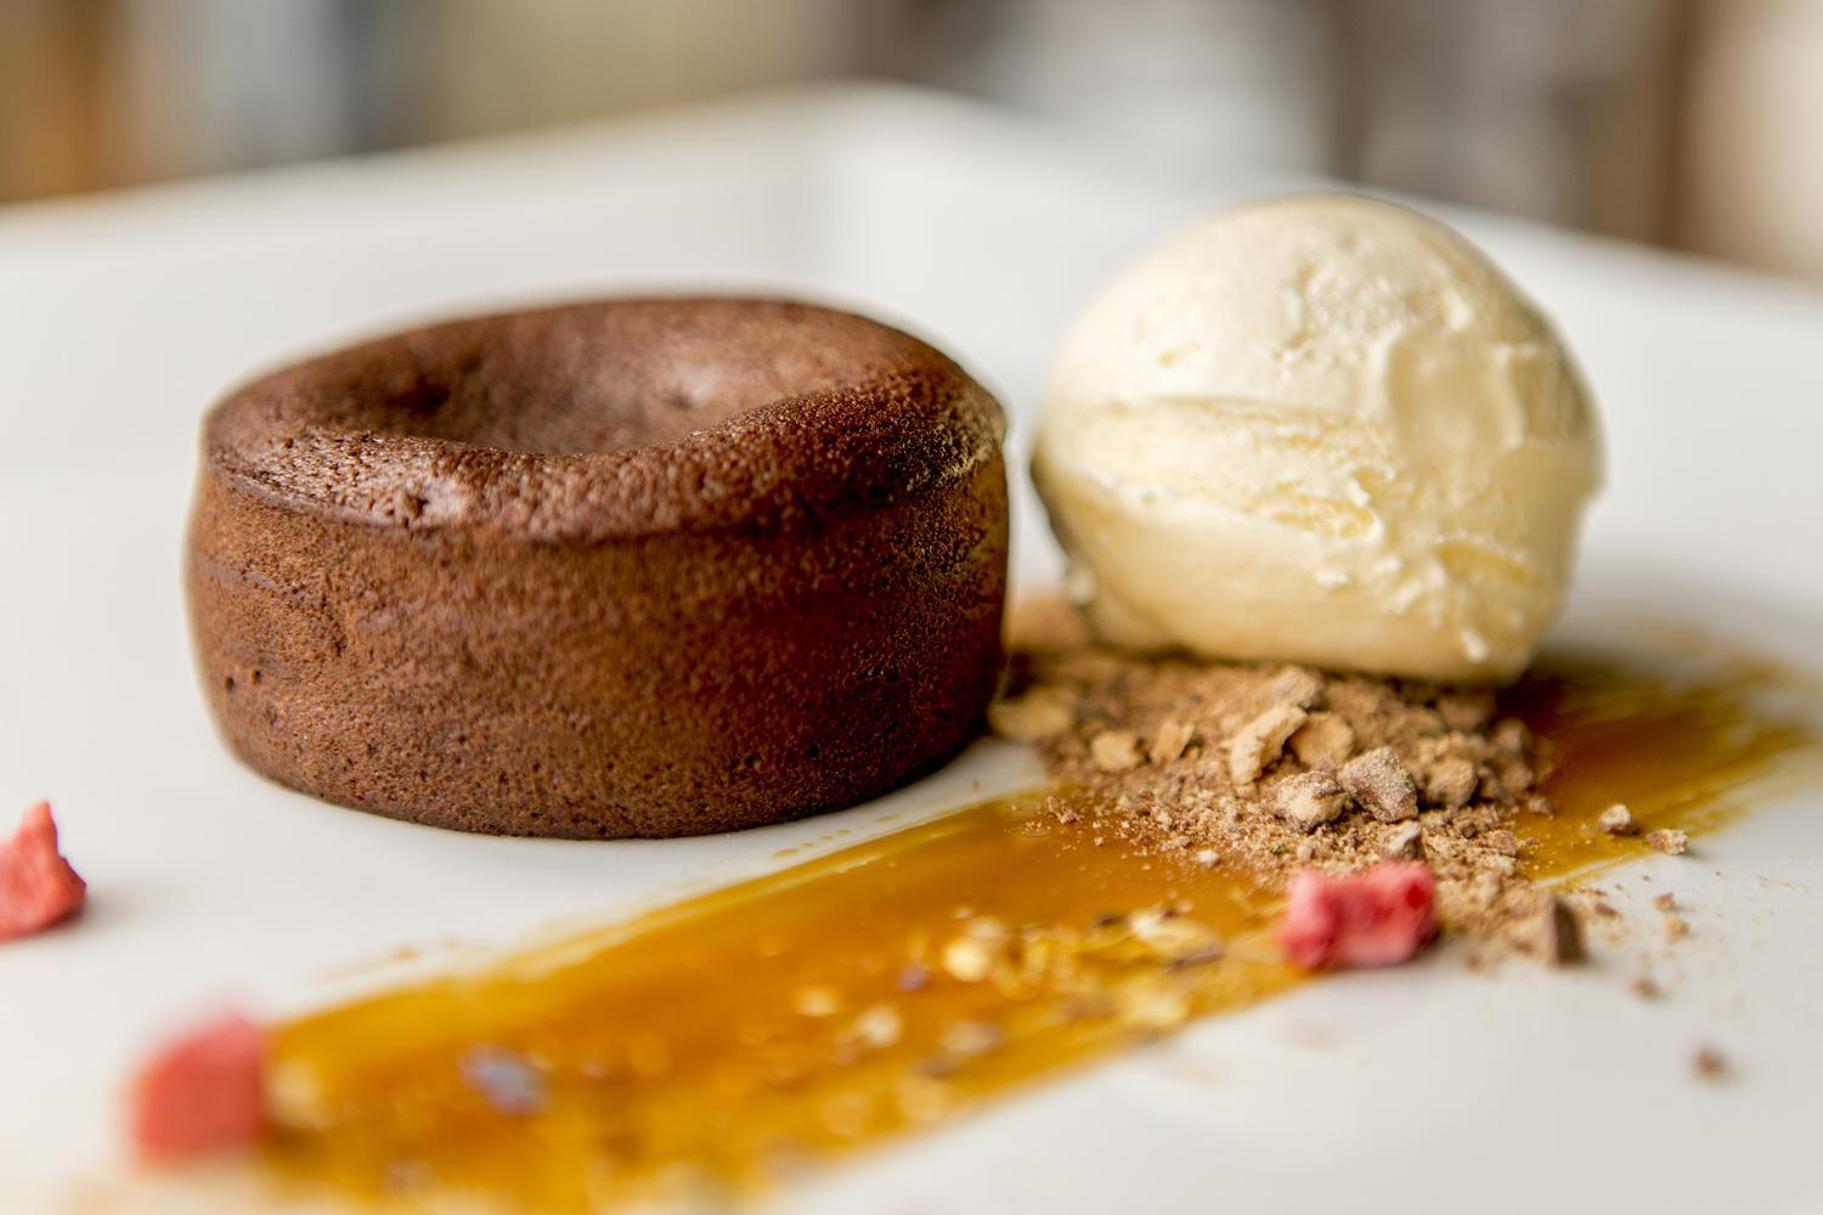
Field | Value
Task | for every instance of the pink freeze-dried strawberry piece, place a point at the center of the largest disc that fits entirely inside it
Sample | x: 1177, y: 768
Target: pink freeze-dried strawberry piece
x: 37, y: 886
x: 203, y: 1093
x: 1378, y: 917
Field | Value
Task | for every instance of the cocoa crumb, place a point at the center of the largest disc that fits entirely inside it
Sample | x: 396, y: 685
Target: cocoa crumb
x: 1404, y: 842
x: 1309, y: 799
x: 1423, y: 722
x: 1551, y: 932
x: 1507, y: 779
x: 1510, y: 735
x: 1501, y: 841
x: 1451, y: 782
x: 1644, y: 988
x: 1261, y: 768
x: 1299, y: 688
x: 1380, y: 784
x: 1709, y: 1063
x: 1466, y: 711
x: 1665, y: 902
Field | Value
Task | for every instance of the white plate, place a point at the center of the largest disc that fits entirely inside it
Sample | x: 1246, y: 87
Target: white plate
x: 1424, y: 1090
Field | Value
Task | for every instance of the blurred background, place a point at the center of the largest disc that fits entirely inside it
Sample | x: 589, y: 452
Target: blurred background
x: 1695, y: 124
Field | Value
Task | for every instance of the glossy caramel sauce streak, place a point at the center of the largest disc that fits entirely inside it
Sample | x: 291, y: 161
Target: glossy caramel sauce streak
x: 724, y: 1043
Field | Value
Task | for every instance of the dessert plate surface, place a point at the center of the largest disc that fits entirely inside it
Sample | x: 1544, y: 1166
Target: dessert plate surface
x: 1423, y: 1090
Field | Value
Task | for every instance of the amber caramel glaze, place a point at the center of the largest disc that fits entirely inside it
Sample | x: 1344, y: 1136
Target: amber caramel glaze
x: 728, y: 1041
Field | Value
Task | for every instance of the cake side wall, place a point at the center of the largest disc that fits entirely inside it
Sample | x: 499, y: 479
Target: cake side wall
x: 679, y: 684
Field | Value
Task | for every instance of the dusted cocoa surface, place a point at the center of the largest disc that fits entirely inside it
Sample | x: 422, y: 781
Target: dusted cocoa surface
x: 638, y: 567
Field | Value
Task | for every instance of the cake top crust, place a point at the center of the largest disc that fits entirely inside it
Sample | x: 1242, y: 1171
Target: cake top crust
x: 610, y: 419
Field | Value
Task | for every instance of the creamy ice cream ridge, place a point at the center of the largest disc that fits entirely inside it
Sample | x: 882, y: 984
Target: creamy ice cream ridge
x: 1322, y: 429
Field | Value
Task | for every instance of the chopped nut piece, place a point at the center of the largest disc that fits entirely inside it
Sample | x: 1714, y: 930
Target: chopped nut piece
x: 1087, y: 663
x: 1617, y: 820
x: 1510, y: 734
x: 1551, y: 933
x: 1665, y: 902
x: 1668, y: 840
x: 1510, y: 779
x: 1451, y: 783
x: 1264, y: 769
x: 1309, y: 799
x: 1423, y: 722
x: 1173, y: 938
x: 818, y: 1001
x: 1644, y: 987
x: 967, y: 1039
x: 878, y: 1027
x: 1466, y: 710
x: 1403, y: 843
x: 1042, y: 713
x: 987, y: 928
x: 1676, y: 928
x: 967, y: 960
x: 1154, y: 1005
x: 1380, y: 784
x: 1325, y: 740
x: 1299, y: 687
x: 1261, y: 741
x: 1169, y: 741
x: 1115, y: 750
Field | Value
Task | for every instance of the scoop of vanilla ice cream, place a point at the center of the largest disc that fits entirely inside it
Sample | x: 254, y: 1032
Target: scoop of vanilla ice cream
x: 1321, y: 429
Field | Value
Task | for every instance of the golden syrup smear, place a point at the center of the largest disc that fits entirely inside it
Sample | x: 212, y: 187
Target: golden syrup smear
x: 722, y: 1044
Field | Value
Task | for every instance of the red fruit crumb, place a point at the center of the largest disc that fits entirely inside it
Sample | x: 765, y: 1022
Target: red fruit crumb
x: 201, y: 1094
x: 1378, y: 917
x: 37, y: 886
